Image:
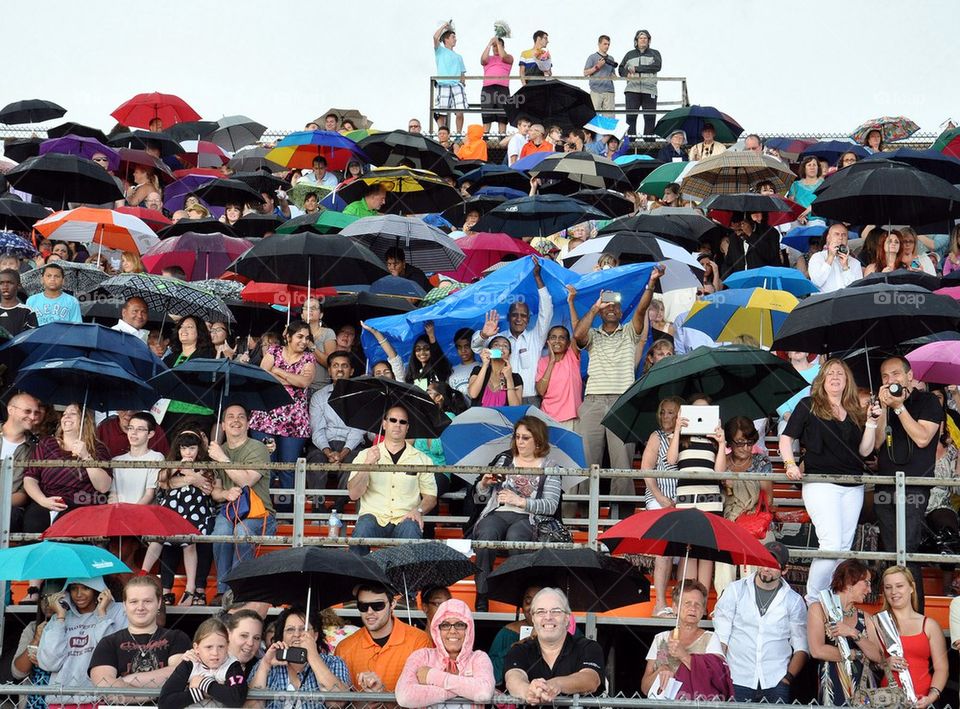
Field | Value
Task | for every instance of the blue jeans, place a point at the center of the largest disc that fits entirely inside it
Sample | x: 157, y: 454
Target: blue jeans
x: 777, y: 694
x: 367, y: 526
x: 228, y: 555
x: 288, y: 450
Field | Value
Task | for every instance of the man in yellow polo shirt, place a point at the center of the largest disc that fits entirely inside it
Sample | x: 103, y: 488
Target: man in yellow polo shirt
x: 392, y: 504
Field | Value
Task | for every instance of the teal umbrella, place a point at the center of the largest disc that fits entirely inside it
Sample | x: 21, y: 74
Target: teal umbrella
x: 56, y: 560
x: 656, y: 181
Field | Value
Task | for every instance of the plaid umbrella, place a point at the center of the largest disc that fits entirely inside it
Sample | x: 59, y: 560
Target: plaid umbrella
x: 166, y: 295
x: 891, y: 128
x: 77, y: 278
x: 426, y: 247
x: 735, y: 171
x: 14, y: 245
x: 414, y: 567
x: 435, y: 295
x: 581, y: 170
x: 222, y: 289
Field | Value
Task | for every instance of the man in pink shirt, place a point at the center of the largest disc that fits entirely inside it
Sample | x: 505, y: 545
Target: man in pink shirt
x: 559, y: 381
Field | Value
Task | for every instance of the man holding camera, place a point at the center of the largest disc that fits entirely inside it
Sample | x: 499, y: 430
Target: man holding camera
x: 905, y: 439
x: 834, y: 268
x: 600, y: 67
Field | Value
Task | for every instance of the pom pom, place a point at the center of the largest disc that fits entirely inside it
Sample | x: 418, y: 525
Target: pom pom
x: 501, y: 29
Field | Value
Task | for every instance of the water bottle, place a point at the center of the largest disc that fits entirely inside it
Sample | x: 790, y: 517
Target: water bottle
x: 333, y: 525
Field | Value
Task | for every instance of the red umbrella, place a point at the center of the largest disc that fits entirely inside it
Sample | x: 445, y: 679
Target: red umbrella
x: 144, y: 108
x: 773, y: 218
x: 485, y: 249
x: 197, y: 171
x: 203, y: 154
x: 282, y: 294
x: 153, y: 218
x: 120, y: 519
x: 201, y: 256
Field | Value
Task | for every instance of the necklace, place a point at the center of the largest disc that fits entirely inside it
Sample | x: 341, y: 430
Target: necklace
x: 849, y: 613
x: 143, y: 650
x: 763, y: 605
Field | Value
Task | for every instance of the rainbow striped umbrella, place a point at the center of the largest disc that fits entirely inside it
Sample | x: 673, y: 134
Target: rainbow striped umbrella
x: 299, y: 149
x: 757, y: 312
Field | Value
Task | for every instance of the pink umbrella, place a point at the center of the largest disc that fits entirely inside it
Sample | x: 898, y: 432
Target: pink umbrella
x: 936, y: 363
x: 485, y: 249
x: 952, y: 291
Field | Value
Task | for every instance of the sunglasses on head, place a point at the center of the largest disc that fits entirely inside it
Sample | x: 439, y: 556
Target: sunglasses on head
x: 372, y: 605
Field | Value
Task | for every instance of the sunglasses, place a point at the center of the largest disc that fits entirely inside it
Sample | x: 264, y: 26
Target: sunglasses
x: 372, y: 605
x: 402, y: 422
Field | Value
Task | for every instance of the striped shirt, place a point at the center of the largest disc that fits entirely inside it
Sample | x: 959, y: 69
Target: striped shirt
x: 71, y: 483
x: 278, y: 681
x: 698, y: 456
x: 667, y: 486
x: 612, y: 360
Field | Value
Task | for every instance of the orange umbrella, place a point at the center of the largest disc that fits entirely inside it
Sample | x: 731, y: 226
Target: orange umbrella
x: 86, y: 225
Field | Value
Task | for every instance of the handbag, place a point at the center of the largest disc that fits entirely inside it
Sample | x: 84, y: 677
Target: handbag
x: 757, y: 523
x: 552, y: 529
x: 247, y: 506
x: 890, y: 696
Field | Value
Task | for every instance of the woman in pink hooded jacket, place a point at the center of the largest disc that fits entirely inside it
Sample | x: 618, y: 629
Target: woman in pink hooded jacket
x: 450, y: 669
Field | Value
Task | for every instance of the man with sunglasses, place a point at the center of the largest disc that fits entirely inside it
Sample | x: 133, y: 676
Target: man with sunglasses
x: 392, y: 505
x: 376, y: 653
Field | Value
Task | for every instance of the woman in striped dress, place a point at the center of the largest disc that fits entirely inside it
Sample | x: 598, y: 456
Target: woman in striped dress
x: 699, y: 454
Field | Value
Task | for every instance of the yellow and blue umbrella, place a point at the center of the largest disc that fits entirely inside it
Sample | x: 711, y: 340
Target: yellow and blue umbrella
x: 772, y: 277
x: 757, y: 312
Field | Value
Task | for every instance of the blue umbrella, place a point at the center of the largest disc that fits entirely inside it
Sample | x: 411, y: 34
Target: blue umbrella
x: 831, y: 150
x: 56, y: 560
x: 495, y: 176
x: 333, y: 202
x: 799, y: 237
x: 394, y: 285
x: 773, y: 277
x: 15, y: 245
x: 530, y: 162
x: 102, y: 386
x: 479, y: 434
x: 504, y: 192
x: 931, y: 161
x: 437, y: 220
x: 175, y: 194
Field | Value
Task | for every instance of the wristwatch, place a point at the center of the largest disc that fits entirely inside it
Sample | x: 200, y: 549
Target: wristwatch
x: 420, y: 511
x: 898, y: 410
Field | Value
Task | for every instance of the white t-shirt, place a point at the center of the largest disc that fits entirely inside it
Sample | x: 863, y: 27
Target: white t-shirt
x: 129, y: 484
x: 515, y: 146
x: 460, y: 377
x: 7, y: 449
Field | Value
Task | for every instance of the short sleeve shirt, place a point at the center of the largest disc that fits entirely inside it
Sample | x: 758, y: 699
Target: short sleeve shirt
x: 63, y: 308
x: 599, y: 83
x: 578, y: 653
x: 830, y: 447
x: 449, y: 63
x: 131, y: 653
x: 612, y: 360
x: 904, y: 454
x: 255, y: 454
x: 130, y: 484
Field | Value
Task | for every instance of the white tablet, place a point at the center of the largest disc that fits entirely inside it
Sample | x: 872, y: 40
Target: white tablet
x: 703, y: 420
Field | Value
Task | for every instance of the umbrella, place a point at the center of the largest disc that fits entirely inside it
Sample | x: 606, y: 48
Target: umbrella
x: 539, y: 215
x: 298, y: 194
x: 151, y: 217
x: 900, y: 277
x: 629, y: 247
x: 261, y: 181
x: 288, y: 576
x: 483, y: 250
x: 228, y: 290
x: 362, y: 402
x: 494, y: 176
x: 891, y: 128
x: 723, y: 207
x: 394, y: 148
x: 101, y: 386
x: 549, y: 102
x: 799, y: 237
x: 253, y: 159
x: 309, y: 260
x: 147, y: 140
x: 457, y: 214
x: 252, y: 226
x: 200, y: 256
x: 325, y: 222
x: 224, y: 190
x: 77, y: 278
x: 202, y: 153
x: 757, y: 312
x: 168, y: 295
x: 691, y: 119
x: 701, y: 535
x: 735, y: 171
x: 741, y: 380
x: 936, y: 363
x: 658, y: 179
x: 409, y: 191
x: 582, y: 169
x: 831, y: 150
x: 192, y: 130
x: 353, y: 307
x: 636, y: 167
x: 347, y: 114
x: 143, y: 109
x: 683, y: 229
x: 175, y: 194
x: 948, y: 142
x: 78, y: 145
x: 55, y: 560
x: 131, y: 158
x: 64, y: 178
x: 281, y: 294
x: 424, y: 246
x: 234, y: 132
x: 929, y: 161
x: 21, y: 150
x: 32, y: 110
x: 592, y: 582
x: 395, y: 285
x: 413, y: 567
x: 207, y: 225
x: 611, y: 203
x: 11, y: 244
x: 788, y: 147
x: 119, y: 519
x: 19, y: 215
x: 71, y: 128
x: 529, y: 163
x: 89, y: 225
x: 298, y: 150
x: 775, y: 277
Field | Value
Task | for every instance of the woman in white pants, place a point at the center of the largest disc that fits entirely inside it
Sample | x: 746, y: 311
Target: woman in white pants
x: 835, y: 435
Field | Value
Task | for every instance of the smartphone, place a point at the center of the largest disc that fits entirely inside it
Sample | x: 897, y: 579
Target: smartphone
x: 496, y: 354
x: 609, y: 296
x: 293, y: 654
x: 62, y: 602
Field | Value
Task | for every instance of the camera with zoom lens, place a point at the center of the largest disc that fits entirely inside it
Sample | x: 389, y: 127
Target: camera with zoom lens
x: 896, y: 390
x: 609, y: 61
x: 841, y: 248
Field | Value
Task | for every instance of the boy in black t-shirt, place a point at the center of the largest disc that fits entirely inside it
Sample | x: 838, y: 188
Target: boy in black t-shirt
x: 15, y: 317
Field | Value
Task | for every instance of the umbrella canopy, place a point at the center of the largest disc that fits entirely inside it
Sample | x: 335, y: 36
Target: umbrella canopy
x: 119, y: 519
x: 936, y: 363
x: 948, y: 143
x: 691, y: 119
x: 207, y: 225
x: 33, y: 110
x: 253, y: 226
x: 494, y: 176
x: 539, y: 215
x: 395, y: 285
x: 131, y: 159
x: 89, y: 225
x: 611, y: 203
x: 741, y: 380
x: 199, y: 255
x: 101, y: 386
x: 202, y: 153
x: 253, y: 159
x: 657, y: 180
x: 637, y: 167
x: 414, y: 567
x: 549, y: 102
x: 353, y: 307
x: 789, y: 147
x: 55, y: 560
x: 168, y: 295
x: 77, y: 278
x: 933, y: 162
x: 876, y: 316
x: 483, y: 250
x: 298, y: 150
x: 325, y: 222
x: 218, y: 383
x: 147, y: 140
x: 457, y: 214
x: 151, y: 217
x: 397, y: 146
x: 831, y: 150
x: 220, y: 288
x: 224, y: 190
x: 235, y: 132
x: 84, y: 147
x: 21, y: 150
x: 362, y: 402
x: 629, y: 247
x: 582, y: 169
x: 425, y: 247
x: 409, y: 191
x: 724, y: 207
x: 175, y: 194
x: 673, y: 532
x: 142, y: 109
x: 64, y: 178
x: 891, y: 128
x: 735, y: 171
x: 799, y: 237
x: 592, y: 582
x: 733, y: 312
x: 286, y: 576
x: 281, y: 294
x: 775, y: 277
x: 347, y: 114
x: 261, y: 181
x: 687, y: 230
x: 310, y: 260
x: 191, y: 130
x: 19, y: 215
x: 72, y: 128
x: 900, y: 277
x: 15, y: 245
x: 298, y: 193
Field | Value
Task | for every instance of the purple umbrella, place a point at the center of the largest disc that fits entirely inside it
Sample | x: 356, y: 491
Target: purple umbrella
x: 936, y: 363
x: 175, y: 194
x: 82, y: 146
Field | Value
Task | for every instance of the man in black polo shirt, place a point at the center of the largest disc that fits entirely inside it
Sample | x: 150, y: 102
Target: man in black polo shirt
x: 553, y: 662
x: 905, y: 440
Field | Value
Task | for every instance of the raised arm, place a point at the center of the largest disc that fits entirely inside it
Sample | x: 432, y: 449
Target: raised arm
x: 640, y: 314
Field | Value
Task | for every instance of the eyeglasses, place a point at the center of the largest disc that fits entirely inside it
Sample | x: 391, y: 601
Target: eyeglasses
x: 28, y: 412
x: 402, y: 422
x: 447, y: 627
x: 522, y: 436
x: 413, y: 126
x: 295, y: 631
x: 372, y: 605
x: 422, y: 348
x: 742, y: 444
x: 552, y: 612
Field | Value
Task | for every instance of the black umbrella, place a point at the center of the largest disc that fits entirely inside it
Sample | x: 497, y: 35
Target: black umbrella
x: 351, y: 308
x: 392, y: 149
x: 216, y: 383
x: 235, y: 132
x: 539, y: 215
x: 65, y: 178
x: 253, y: 159
x: 143, y: 139
x: 167, y: 295
x: 686, y: 230
x: 32, y: 110
x: 931, y: 161
x: 637, y: 170
x: 582, y: 170
x: 495, y: 176
x: 192, y: 130
x: 425, y: 247
x: 592, y: 582
x: 900, y: 277
x: 887, y: 192
x: 745, y: 202
x: 224, y: 190
x: 409, y: 191
x: 19, y: 215
x: 71, y: 128
x: 310, y: 260
x: 256, y: 225
x: 610, y: 202
x: 21, y: 150
x: 287, y: 576
x: 261, y: 181
x: 207, y: 225
x: 946, y: 336
x: 414, y: 567
x: 362, y: 402
x: 457, y: 214
x: 549, y: 102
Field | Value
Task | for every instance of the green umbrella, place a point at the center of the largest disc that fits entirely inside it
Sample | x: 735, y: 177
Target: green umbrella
x: 741, y: 380
x: 299, y: 192
x: 326, y: 222
x: 656, y: 181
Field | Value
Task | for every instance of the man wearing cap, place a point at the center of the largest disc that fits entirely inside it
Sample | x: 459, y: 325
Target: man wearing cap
x: 762, y: 624
x: 708, y: 146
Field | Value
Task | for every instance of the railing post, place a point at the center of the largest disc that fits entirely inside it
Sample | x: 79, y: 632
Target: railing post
x: 900, y: 499
x: 593, y: 530
x: 299, y: 500
x: 430, y: 108
x: 6, y: 502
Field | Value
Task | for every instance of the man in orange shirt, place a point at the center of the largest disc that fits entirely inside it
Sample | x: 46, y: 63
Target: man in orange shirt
x: 536, y: 142
x: 376, y: 653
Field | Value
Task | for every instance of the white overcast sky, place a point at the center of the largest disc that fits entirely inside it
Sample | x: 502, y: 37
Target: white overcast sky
x: 775, y: 66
